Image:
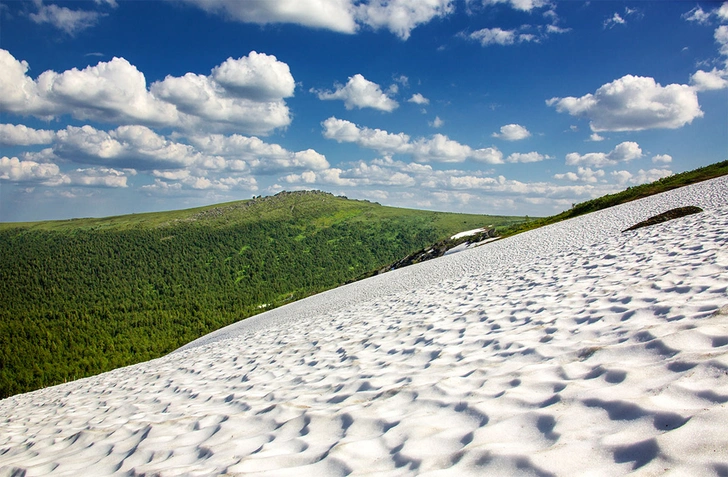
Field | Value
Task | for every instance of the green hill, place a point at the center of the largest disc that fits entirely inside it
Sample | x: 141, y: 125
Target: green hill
x: 84, y: 296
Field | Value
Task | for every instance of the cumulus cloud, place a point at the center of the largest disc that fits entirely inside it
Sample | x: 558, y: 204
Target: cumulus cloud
x: 14, y: 170
x: 328, y: 176
x: 417, y: 98
x: 633, y: 103
x: 258, y: 77
x: 716, y: 78
x: 98, y: 177
x: 67, y: 20
x: 258, y: 155
x: 721, y: 37
x: 512, y: 132
x: 522, y: 5
x: 709, y: 80
x: 336, y: 15
x: 246, y: 94
x: 722, y: 12
x: 198, y: 183
x: 582, y: 174
x: 614, y: 20
x: 641, y: 177
x: 517, y: 157
x: 498, y: 36
x: 402, y: 16
x: 49, y: 174
x: 341, y: 130
x: 596, y: 137
x: 360, y: 93
x: 344, y: 16
x: 438, y: 148
x: 437, y: 122
x: 697, y: 14
x: 141, y: 148
x: 21, y: 135
x: 135, y: 147
x: 623, y: 152
x: 663, y: 158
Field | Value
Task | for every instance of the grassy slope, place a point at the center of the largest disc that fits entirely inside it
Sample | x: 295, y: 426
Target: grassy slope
x: 84, y: 296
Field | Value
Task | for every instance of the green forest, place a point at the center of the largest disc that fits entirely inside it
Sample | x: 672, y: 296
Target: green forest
x: 84, y: 296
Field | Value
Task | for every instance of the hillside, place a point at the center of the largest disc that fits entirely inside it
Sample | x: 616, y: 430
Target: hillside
x: 84, y: 296
x: 576, y: 349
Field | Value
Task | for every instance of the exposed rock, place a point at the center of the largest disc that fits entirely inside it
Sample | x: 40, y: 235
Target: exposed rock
x: 665, y: 216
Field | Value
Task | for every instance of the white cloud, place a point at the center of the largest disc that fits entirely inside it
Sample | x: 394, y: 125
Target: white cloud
x: 523, y: 5
x: 328, y: 176
x: 67, y: 20
x: 556, y: 29
x: 512, y: 132
x: 709, y: 80
x: 98, y: 177
x: 241, y: 152
x: 336, y: 15
x: 344, y: 16
x: 583, y: 174
x: 360, y: 93
x: 517, y: 157
x: 375, y: 174
x: 596, y: 137
x: 437, y: 122
x: 634, y: 103
x: 249, y: 97
x: 663, y: 158
x: 697, y: 14
x: 721, y: 37
x: 722, y: 12
x: 642, y: 176
x: 141, y: 148
x: 14, y: 170
x: 614, y: 20
x: 258, y: 77
x: 135, y: 147
x: 498, y: 36
x: 345, y: 131
x: 623, y: 152
x: 113, y: 91
x: 417, y: 98
x: 246, y: 94
x: 21, y: 135
x: 49, y: 174
x: 167, y: 184
x: 402, y: 16
x: 438, y: 148
x: 403, y: 80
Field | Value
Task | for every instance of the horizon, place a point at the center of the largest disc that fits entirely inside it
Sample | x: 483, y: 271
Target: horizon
x: 495, y: 107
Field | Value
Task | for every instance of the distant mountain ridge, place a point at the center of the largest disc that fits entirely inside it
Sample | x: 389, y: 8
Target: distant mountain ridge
x: 83, y: 296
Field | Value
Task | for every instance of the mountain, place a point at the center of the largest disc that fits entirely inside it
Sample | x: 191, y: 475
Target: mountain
x: 84, y: 296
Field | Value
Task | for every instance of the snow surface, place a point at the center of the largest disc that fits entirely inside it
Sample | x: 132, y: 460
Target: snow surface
x: 467, y: 233
x: 573, y: 349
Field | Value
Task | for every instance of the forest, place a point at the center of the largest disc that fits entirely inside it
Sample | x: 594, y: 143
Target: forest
x: 84, y: 296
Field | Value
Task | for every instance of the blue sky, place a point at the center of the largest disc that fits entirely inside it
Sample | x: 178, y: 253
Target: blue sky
x: 518, y: 107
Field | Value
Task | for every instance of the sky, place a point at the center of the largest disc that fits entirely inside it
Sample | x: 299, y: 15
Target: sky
x: 512, y: 107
